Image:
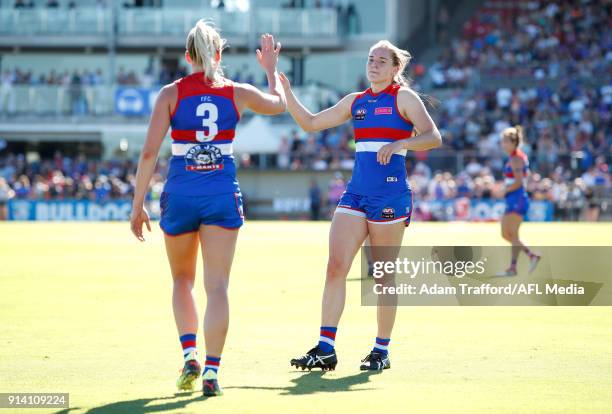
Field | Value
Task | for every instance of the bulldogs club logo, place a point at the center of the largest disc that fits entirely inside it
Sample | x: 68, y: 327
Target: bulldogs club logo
x: 360, y: 114
x: 204, y: 158
x: 388, y: 213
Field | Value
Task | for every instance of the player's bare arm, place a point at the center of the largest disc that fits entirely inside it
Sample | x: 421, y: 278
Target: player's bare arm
x: 411, y: 107
x: 328, y: 118
x: 158, y: 127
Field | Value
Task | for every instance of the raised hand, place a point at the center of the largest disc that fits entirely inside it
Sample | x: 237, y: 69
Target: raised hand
x: 267, y: 54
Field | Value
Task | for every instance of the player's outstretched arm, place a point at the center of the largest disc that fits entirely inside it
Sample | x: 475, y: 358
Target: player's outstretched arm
x: 411, y: 107
x: 158, y: 127
x: 273, y: 102
x: 328, y: 118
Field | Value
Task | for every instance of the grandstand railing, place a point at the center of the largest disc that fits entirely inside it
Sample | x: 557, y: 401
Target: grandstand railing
x: 166, y: 21
x: 57, y: 100
x: 303, y: 22
x: 54, y: 21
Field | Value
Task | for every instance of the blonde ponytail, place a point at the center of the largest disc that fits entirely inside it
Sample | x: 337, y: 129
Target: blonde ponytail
x: 203, y: 44
x: 515, y: 134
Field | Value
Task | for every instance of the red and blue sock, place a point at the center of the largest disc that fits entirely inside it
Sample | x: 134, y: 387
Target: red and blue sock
x: 513, y: 265
x: 188, y: 342
x: 327, y: 338
x: 381, y: 346
x: 212, y: 363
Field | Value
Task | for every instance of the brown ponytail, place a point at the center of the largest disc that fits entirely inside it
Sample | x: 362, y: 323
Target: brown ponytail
x: 401, y: 58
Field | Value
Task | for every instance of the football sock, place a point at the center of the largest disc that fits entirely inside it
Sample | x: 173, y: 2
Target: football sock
x: 381, y: 345
x: 327, y: 338
x: 212, y: 364
x: 188, y: 342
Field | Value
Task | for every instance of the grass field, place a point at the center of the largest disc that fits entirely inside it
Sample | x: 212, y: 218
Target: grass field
x: 85, y: 309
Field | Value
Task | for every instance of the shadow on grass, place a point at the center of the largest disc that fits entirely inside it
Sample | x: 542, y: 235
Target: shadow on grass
x: 304, y: 384
x: 316, y: 382
x: 141, y: 405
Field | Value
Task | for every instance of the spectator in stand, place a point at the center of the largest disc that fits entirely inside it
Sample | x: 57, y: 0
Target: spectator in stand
x: 6, y: 193
x: 283, y: 158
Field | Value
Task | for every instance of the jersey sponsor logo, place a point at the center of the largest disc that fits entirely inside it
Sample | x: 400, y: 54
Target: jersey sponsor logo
x: 204, y: 157
x: 392, y: 179
x: 388, y: 213
x: 360, y: 114
x: 383, y: 110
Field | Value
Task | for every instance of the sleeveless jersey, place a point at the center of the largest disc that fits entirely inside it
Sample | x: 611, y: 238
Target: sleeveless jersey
x: 508, y: 173
x: 203, y: 129
x: 377, y: 122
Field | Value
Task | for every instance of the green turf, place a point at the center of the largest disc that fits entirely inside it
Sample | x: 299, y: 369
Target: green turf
x: 85, y: 309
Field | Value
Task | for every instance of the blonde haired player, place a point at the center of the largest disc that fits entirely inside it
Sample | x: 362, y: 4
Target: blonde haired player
x: 201, y: 203
x: 378, y: 200
x: 516, y: 197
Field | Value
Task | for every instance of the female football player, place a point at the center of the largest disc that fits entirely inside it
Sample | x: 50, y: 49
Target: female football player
x: 377, y: 201
x: 517, y: 200
x: 201, y: 204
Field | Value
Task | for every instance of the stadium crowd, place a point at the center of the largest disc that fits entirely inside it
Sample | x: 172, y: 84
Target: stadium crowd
x: 535, y: 39
x: 77, y: 178
x: 67, y: 178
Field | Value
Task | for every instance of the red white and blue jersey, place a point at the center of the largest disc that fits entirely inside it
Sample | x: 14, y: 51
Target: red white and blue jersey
x: 508, y: 173
x: 377, y: 121
x: 203, y: 129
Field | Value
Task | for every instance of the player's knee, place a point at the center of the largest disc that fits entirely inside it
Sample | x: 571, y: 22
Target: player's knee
x: 506, y: 235
x: 511, y: 236
x: 183, y: 282
x: 337, y: 267
x: 216, y: 288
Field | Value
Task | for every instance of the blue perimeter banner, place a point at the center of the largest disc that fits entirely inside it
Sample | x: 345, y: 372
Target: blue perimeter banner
x: 135, y: 101
x: 459, y: 209
x: 464, y: 209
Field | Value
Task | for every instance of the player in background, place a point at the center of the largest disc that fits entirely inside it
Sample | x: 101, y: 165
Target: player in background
x: 201, y: 205
x: 517, y: 199
x: 377, y: 201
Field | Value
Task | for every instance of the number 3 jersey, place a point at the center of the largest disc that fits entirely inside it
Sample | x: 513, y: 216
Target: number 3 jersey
x: 203, y: 128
